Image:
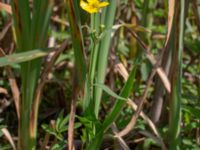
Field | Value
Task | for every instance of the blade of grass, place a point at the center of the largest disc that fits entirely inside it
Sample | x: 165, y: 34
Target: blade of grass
x: 112, y: 116
x: 95, y: 25
x: 77, y: 39
x: 22, y: 21
x: 176, y: 75
x: 80, y: 65
x: 103, y: 52
x: 166, y: 61
x: 9, y: 137
x: 24, y: 56
x: 30, y: 34
x: 109, y: 91
x: 135, y: 108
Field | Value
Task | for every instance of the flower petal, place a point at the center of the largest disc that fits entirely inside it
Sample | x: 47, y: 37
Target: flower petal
x: 85, y: 6
x: 103, y: 4
x: 92, y: 1
x: 92, y: 6
x: 92, y: 10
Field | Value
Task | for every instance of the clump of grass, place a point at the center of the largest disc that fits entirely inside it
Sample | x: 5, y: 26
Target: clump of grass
x: 30, y: 29
x: 91, y: 53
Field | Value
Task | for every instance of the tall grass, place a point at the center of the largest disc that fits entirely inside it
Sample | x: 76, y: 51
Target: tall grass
x: 176, y: 73
x: 30, y: 28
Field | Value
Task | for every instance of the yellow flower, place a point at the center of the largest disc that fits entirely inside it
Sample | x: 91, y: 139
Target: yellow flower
x: 92, y: 6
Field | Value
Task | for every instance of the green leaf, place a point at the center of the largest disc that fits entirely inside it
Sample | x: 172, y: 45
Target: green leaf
x: 77, y: 39
x: 112, y: 116
x: 64, y: 122
x: 59, y: 146
x: 195, y: 111
x: 193, y: 44
x: 192, y: 125
x: 6, y: 147
x: 48, y: 129
x: 23, y: 56
x: 109, y: 91
x: 59, y: 120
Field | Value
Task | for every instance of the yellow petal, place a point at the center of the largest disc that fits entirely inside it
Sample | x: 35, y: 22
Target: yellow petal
x: 92, y: 1
x: 83, y: 4
x: 103, y: 4
x: 92, y: 10
x: 92, y: 6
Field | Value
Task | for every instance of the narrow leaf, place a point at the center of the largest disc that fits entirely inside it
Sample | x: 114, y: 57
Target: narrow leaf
x: 23, y: 57
x: 109, y: 91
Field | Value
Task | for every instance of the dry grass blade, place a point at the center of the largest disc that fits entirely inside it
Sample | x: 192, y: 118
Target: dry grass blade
x: 43, y: 77
x: 153, y: 61
x: 175, y: 76
x: 8, y: 137
x: 6, y: 7
x: 132, y: 123
x: 80, y: 63
x: 13, y: 85
x: 170, y: 19
x: 146, y: 119
x: 71, y: 125
x: 119, y: 67
x: 165, y: 64
x: 14, y: 88
x: 59, y: 20
x: 164, y: 79
x: 151, y: 58
x: 122, y: 71
x: 4, y: 91
x: 120, y: 139
x: 161, y: 74
x: 150, y: 123
x: 50, y: 63
x: 5, y: 30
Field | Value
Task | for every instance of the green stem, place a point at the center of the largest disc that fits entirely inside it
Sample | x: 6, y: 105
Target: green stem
x: 103, y: 52
x: 94, y: 52
x: 176, y: 76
